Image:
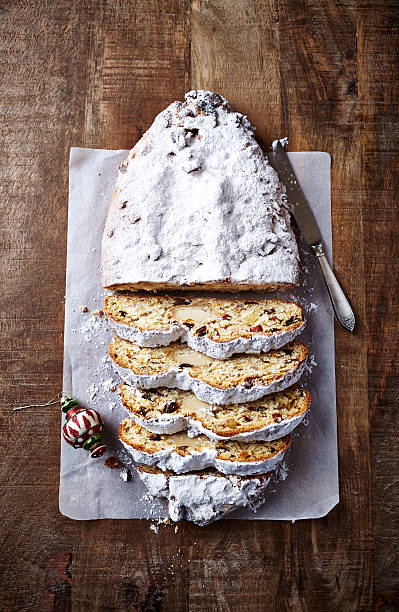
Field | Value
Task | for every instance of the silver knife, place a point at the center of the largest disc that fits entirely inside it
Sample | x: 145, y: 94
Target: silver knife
x: 307, y: 224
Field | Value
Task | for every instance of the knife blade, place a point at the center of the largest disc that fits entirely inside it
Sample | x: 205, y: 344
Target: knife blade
x: 306, y: 222
x: 302, y: 212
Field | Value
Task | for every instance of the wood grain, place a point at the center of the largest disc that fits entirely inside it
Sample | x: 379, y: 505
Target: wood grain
x: 379, y: 80
x: 42, y: 108
x: 319, y: 75
x: 234, y: 51
x: 95, y: 73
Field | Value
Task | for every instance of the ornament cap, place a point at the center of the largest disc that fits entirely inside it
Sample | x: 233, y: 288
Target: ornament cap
x: 67, y: 403
x: 92, y: 440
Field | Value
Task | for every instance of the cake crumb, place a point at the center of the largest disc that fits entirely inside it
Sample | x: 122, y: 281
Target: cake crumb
x: 112, y: 462
x: 97, y: 313
x: 108, y: 384
x: 124, y: 475
x: 154, y: 528
x: 93, y: 390
x: 83, y: 309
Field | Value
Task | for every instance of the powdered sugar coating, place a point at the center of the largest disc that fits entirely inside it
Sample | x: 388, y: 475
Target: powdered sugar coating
x: 257, y: 343
x: 204, y: 498
x: 181, y: 379
x: 146, y: 338
x: 167, y: 459
x: 197, y: 203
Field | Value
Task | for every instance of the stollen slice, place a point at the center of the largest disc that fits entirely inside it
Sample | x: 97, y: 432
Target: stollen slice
x: 243, y: 378
x: 172, y: 410
x: 180, y: 453
x: 216, y: 327
x: 206, y: 496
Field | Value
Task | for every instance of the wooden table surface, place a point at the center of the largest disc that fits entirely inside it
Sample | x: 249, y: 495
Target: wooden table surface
x: 94, y: 74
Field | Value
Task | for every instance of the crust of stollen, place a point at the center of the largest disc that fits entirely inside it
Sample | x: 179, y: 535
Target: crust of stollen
x: 224, y: 286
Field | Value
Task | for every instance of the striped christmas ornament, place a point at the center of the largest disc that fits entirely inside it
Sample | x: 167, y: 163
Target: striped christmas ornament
x: 83, y: 427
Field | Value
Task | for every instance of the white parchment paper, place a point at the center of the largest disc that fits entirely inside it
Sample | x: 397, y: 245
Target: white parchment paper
x: 88, y: 489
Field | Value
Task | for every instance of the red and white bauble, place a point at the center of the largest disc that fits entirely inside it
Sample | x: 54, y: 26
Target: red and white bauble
x: 83, y: 427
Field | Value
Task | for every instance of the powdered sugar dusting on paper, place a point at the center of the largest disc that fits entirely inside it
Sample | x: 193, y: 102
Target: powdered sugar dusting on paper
x: 90, y: 327
x: 310, y: 364
x: 90, y: 331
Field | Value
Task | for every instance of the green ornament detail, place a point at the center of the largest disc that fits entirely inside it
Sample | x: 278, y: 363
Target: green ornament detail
x: 67, y: 403
x: 96, y: 438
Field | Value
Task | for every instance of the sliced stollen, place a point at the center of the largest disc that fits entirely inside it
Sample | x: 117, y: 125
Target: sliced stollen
x: 180, y: 453
x: 197, y: 204
x: 204, y: 497
x: 243, y: 378
x: 172, y: 410
x: 217, y: 327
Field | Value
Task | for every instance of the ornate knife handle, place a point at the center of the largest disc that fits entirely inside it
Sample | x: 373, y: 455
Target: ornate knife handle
x: 342, y: 308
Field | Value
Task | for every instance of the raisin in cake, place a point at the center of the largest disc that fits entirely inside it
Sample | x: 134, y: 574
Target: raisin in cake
x: 242, y: 378
x: 180, y: 453
x: 197, y: 204
x: 217, y: 327
x: 172, y: 410
x: 206, y: 496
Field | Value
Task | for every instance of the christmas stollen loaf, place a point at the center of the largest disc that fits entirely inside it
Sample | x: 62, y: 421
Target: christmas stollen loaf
x: 216, y: 327
x: 172, y: 410
x: 206, y: 496
x: 180, y: 453
x: 242, y: 378
x: 197, y: 204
